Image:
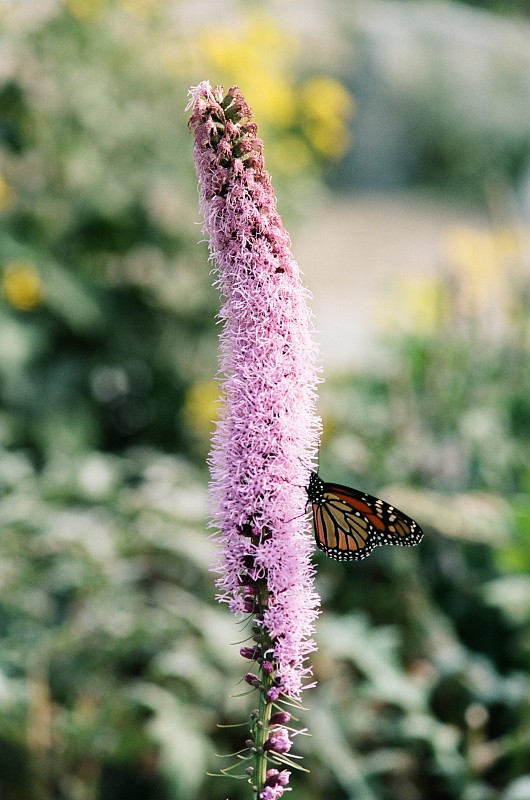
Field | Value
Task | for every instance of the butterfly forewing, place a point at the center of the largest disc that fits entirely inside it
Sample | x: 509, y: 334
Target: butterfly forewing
x: 349, y: 523
x: 339, y: 534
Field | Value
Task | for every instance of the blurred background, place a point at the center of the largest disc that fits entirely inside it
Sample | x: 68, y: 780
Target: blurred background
x: 398, y: 138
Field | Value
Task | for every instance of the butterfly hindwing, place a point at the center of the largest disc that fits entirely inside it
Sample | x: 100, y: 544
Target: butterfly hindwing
x: 341, y: 534
x: 349, y: 523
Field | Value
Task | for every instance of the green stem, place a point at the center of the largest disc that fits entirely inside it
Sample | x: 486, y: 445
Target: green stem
x: 261, y: 724
x: 261, y: 734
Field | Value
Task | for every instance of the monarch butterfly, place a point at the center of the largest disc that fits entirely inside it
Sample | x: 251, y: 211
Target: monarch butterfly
x: 349, y: 524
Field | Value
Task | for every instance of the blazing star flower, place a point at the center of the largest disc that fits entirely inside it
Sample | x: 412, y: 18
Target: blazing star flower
x: 272, y: 792
x: 267, y: 435
x: 279, y: 741
x: 275, y: 784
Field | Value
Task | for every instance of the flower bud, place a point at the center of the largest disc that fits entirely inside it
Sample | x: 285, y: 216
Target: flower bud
x: 272, y: 694
x: 249, y: 652
x: 280, y: 718
x: 278, y: 741
x: 274, y: 777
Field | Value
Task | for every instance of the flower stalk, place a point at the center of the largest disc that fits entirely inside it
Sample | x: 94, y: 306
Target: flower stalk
x: 266, y: 438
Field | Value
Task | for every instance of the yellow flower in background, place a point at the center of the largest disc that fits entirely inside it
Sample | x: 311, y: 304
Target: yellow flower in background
x: 330, y: 138
x: 324, y: 96
x: 21, y: 284
x: 259, y: 55
x: 256, y: 54
x: 415, y: 304
x: 326, y: 108
x: 481, y: 281
x: 6, y: 193
x: 289, y: 155
x: 421, y: 303
x: 201, y: 407
x: 85, y: 10
x: 483, y: 264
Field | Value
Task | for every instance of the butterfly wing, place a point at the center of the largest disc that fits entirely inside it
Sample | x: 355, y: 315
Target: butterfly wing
x: 350, y: 523
x: 342, y: 532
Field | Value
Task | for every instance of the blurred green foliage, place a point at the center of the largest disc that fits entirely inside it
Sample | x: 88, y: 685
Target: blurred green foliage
x: 97, y: 212
x: 442, y: 419
x: 516, y: 7
x: 115, y: 661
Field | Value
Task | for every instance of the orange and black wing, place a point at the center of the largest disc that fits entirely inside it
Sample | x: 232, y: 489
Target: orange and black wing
x: 349, y: 523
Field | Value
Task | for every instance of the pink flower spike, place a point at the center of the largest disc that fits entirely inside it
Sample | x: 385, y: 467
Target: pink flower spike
x: 267, y: 435
x: 268, y: 432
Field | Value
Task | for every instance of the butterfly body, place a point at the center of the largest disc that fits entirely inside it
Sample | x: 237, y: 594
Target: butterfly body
x: 349, y: 523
